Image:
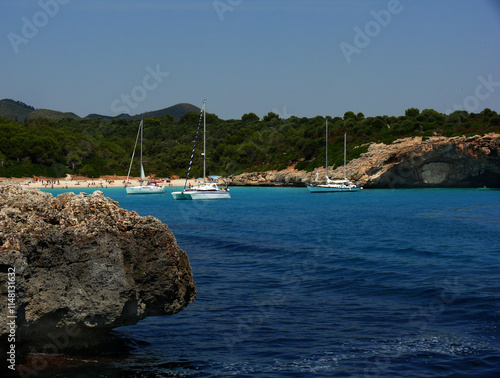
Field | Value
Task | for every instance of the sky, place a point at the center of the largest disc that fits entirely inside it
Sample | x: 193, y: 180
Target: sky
x: 292, y: 57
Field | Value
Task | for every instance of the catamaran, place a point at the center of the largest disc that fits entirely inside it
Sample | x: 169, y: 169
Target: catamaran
x: 333, y: 185
x: 151, y: 187
x: 205, y: 190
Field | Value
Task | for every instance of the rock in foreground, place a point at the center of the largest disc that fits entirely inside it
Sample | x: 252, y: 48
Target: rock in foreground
x: 84, y: 266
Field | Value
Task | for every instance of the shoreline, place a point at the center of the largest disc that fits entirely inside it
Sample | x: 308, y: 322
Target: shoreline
x: 106, y: 183
x: 82, y: 183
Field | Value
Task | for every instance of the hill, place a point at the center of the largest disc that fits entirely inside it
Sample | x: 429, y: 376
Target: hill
x: 176, y: 111
x: 19, y: 111
x: 51, y: 114
x: 15, y: 110
x: 120, y: 116
x: 96, y: 147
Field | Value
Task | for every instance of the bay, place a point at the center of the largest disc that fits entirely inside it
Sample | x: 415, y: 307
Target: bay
x: 374, y: 283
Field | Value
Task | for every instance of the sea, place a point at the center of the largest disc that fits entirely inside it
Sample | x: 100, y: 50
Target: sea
x: 376, y: 283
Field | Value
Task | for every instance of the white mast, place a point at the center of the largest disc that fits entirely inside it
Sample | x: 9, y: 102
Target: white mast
x: 143, y: 176
x: 204, y: 139
x: 345, y: 148
x: 326, y: 151
x: 133, y: 153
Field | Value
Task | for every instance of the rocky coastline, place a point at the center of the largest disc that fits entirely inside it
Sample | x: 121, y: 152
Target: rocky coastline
x: 406, y: 163
x: 76, y: 266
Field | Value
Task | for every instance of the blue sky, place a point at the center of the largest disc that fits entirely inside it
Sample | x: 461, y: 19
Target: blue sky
x: 293, y: 57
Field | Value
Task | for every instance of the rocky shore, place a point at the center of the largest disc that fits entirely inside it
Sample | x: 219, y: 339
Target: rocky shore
x: 405, y: 163
x: 76, y: 266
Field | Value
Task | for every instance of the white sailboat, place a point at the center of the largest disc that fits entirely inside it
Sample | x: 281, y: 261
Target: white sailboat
x: 151, y: 187
x: 334, y: 185
x: 205, y: 190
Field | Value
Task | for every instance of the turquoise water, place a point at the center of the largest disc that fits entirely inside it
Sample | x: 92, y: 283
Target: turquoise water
x: 293, y: 284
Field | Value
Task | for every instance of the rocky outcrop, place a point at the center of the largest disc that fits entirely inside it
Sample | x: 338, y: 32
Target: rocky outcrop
x: 406, y: 163
x: 82, y: 266
x: 286, y: 177
x: 435, y: 162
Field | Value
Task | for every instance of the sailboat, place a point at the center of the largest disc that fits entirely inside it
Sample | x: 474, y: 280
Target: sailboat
x: 334, y: 185
x: 151, y: 187
x: 206, y: 190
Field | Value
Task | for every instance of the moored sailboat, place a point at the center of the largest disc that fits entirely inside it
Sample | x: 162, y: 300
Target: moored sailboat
x: 205, y: 190
x: 333, y: 185
x: 151, y: 187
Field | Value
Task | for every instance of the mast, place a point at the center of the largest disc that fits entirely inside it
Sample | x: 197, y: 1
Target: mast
x: 194, y: 145
x: 142, y: 168
x: 204, y: 139
x: 326, y: 151
x: 133, y: 153
x: 345, y: 149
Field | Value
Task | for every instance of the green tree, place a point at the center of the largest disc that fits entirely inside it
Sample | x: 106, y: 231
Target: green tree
x: 212, y: 118
x: 349, y: 115
x: 3, y: 160
x: 495, y: 121
x: 250, y: 117
x: 167, y: 118
x: 430, y: 115
x: 190, y: 118
x: 378, y: 124
x: 89, y: 171
x: 270, y: 116
x: 247, y: 153
x: 74, y: 159
x: 412, y: 112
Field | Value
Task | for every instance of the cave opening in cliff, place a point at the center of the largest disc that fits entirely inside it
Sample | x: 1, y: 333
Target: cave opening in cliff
x: 487, y: 179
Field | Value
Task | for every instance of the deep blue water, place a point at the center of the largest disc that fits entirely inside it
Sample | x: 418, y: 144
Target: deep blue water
x: 292, y: 284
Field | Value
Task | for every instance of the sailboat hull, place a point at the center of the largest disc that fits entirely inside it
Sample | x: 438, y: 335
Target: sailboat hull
x: 220, y: 194
x: 179, y: 196
x: 145, y: 189
x: 201, y: 195
x: 328, y: 189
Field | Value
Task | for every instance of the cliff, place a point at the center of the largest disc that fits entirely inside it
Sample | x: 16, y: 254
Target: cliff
x: 435, y: 162
x: 406, y: 163
x: 84, y: 266
x: 285, y: 177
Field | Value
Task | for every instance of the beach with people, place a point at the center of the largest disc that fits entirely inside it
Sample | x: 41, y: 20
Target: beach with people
x: 70, y: 181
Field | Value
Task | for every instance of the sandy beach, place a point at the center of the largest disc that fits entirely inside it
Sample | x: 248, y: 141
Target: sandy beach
x: 85, y: 182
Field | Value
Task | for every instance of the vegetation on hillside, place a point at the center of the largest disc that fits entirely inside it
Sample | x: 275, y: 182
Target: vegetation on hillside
x: 51, y: 114
x: 19, y: 111
x: 95, y: 147
x: 16, y: 110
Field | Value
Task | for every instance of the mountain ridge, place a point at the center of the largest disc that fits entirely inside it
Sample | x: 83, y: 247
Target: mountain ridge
x: 19, y: 111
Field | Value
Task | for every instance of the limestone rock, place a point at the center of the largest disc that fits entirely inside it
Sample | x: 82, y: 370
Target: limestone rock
x: 84, y: 266
x: 406, y: 163
x: 286, y: 177
x: 436, y: 162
